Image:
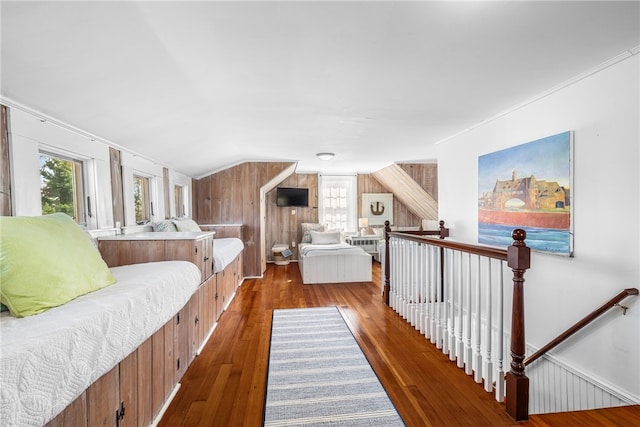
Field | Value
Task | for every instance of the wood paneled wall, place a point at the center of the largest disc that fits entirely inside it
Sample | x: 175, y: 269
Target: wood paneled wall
x: 232, y: 196
x: 284, y: 223
x: 5, y: 164
x: 405, y: 188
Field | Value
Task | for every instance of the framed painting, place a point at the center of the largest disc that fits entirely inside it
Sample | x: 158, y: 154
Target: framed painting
x: 528, y: 186
x: 377, y: 208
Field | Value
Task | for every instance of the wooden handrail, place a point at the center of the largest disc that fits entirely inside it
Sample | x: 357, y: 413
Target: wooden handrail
x: 486, y: 251
x: 582, y: 323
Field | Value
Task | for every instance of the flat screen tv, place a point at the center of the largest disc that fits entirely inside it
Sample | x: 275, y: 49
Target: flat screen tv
x: 292, y: 196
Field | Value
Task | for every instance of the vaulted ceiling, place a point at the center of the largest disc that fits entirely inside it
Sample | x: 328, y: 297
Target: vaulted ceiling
x: 199, y: 86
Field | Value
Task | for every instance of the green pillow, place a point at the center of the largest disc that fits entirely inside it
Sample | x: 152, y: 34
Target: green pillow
x: 46, y: 261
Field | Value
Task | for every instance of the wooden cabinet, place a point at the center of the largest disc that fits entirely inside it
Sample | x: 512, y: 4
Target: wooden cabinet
x: 103, y: 400
x: 124, y: 249
x: 134, y: 392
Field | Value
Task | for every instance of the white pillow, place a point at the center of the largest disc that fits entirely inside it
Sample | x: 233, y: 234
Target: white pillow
x: 325, y: 237
x: 186, y: 225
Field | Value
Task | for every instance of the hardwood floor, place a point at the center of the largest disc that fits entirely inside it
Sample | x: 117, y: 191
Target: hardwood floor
x: 225, y: 385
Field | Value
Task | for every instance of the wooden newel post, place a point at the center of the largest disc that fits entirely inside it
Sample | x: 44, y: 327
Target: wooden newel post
x: 387, y: 283
x: 517, y: 396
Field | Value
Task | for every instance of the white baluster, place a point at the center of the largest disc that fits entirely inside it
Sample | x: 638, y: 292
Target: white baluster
x: 415, y: 283
x: 478, y: 318
x: 460, y: 326
x: 468, y: 351
x: 451, y: 302
x: 422, y: 284
x: 488, y: 361
x: 429, y: 293
x: 500, y: 385
x: 437, y: 336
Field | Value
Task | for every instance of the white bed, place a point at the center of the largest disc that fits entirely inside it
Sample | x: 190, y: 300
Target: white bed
x: 333, y: 263
x: 225, y: 250
x: 49, y: 359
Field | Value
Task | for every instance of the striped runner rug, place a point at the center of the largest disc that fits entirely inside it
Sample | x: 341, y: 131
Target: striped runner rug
x: 318, y: 375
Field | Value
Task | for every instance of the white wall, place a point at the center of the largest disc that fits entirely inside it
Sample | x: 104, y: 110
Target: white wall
x: 29, y: 134
x: 603, y: 110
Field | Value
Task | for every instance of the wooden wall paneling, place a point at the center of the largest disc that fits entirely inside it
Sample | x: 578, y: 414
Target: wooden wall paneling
x: 425, y: 174
x: 74, y: 415
x: 145, y: 383
x: 250, y: 218
x: 230, y: 196
x: 158, y: 371
x: 402, y: 216
x: 147, y: 251
x: 409, y: 192
x: 193, y: 202
x: 115, y: 253
x: 282, y: 225
x: 103, y: 400
x: 128, y: 375
x: 235, y: 198
x: 216, y: 185
x: 167, y: 200
x: 117, y: 192
x: 203, y: 201
x: 5, y: 164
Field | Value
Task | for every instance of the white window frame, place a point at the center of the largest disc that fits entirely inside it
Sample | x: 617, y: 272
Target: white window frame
x: 82, y: 205
x: 89, y: 193
x: 349, y: 183
x: 135, y: 165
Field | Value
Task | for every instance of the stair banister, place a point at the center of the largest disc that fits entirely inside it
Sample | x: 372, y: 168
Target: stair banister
x: 517, y: 388
x: 582, y: 323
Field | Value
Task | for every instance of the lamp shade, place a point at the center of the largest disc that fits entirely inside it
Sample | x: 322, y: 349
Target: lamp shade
x: 363, y: 222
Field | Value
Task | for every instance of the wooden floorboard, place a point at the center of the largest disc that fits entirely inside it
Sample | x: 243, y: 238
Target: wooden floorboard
x: 225, y: 385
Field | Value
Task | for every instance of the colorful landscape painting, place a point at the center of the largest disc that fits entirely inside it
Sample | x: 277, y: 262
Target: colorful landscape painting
x: 528, y: 186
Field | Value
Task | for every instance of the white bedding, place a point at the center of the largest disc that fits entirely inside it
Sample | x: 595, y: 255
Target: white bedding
x: 47, y: 360
x: 224, y: 251
x: 342, y: 248
x: 333, y: 263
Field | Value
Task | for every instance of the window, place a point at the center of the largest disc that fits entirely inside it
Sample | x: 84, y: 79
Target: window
x: 61, y: 188
x: 337, y: 204
x: 141, y: 199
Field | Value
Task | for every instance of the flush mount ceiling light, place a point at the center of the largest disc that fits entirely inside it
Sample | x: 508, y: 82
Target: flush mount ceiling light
x: 325, y: 156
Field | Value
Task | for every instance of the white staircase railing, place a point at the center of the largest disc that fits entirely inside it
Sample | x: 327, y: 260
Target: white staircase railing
x: 453, y: 294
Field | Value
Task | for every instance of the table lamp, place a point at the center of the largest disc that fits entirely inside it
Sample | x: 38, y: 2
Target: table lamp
x: 363, y: 223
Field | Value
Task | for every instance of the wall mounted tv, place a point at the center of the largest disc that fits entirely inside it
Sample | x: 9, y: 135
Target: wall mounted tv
x: 292, y: 196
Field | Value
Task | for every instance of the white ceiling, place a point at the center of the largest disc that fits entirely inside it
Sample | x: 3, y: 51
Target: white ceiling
x: 199, y: 86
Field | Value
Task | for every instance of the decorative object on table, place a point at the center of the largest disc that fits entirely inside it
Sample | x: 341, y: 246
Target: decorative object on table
x: 377, y: 208
x: 363, y: 223
x: 529, y: 186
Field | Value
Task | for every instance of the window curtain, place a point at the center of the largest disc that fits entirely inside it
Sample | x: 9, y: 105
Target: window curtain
x: 338, y: 203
